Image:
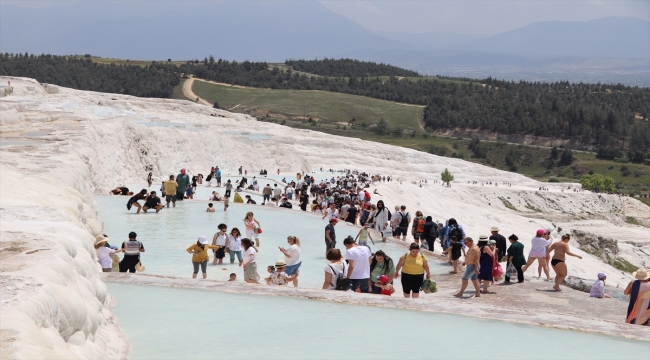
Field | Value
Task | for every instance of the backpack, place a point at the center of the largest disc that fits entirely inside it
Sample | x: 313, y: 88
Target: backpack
x: 455, y: 231
x: 433, y: 233
x: 419, y: 225
x: 404, y: 220
x: 342, y: 282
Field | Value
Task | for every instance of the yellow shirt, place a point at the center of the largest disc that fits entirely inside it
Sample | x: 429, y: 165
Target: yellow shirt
x: 413, y: 265
x: 170, y: 187
x: 198, y: 254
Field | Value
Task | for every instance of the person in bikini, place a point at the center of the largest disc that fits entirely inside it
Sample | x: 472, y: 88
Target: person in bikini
x: 560, y: 249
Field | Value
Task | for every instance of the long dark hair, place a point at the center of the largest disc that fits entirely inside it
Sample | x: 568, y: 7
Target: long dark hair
x: 247, y: 243
x: 387, y: 262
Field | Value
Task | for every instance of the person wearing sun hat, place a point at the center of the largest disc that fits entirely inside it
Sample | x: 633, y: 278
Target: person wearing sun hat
x: 500, y: 243
x: 104, y: 253
x: 638, y: 311
x: 200, y: 257
x: 538, y: 252
x: 280, y: 277
x: 598, y: 288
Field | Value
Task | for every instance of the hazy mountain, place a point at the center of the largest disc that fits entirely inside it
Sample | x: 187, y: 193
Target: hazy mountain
x: 270, y: 31
x: 620, y: 37
x: 431, y: 40
x: 608, y: 50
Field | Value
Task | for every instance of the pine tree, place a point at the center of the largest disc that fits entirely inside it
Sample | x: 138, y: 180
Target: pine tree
x: 446, y: 177
x: 216, y: 105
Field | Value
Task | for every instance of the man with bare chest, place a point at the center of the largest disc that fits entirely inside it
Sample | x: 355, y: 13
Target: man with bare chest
x: 471, y: 272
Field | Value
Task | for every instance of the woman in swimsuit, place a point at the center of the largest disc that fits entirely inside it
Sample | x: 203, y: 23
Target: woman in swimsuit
x: 560, y: 249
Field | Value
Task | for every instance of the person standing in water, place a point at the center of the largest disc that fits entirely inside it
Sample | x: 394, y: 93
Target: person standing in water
x: 217, y: 175
x: 250, y: 262
x: 292, y: 258
x: 132, y: 250
x: 200, y: 257
x: 133, y: 201
x: 220, y: 239
x: 150, y: 179
x: 171, y: 188
x: 560, y: 249
x: 234, y: 246
x: 252, y: 227
x: 183, y: 181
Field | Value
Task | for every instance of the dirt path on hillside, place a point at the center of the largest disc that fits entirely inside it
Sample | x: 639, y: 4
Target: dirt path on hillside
x: 188, y: 93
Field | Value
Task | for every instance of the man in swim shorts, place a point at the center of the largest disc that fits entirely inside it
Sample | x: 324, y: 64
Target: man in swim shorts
x: 471, y: 273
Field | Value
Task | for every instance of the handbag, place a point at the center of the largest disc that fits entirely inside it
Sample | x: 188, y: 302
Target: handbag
x: 497, y: 270
x: 511, y: 271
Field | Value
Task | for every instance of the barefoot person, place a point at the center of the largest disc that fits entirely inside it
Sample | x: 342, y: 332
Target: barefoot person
x: 133, y: 201
x: 455, y: 248
x: 638, y: 310
x: 200, y: 257
x: 220, y: 239
x: 538, y: 252
x: 292, y: 258
x: 250, y: 262
x: 598, y: 288
x: 171, y: 187
x: 516, y: 257
x: 152, y: 202
x: 234, y: 246
x: 471, y: 272
x: 560, y: 249
x: 252, y: 227
x: 415, y: 265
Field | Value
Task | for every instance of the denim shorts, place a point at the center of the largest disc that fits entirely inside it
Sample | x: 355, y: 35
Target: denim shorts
x: 291, y: 269
x: 470, y: 273
x: 232, y: 255
x: 362, y: 284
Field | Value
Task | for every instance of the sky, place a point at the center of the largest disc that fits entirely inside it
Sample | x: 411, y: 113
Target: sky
x: 478, y: 16
x: 486, y: 17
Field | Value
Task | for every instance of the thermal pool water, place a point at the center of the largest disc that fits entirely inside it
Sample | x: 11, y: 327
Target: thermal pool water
x: 167, y: 234
x: 172, y: 323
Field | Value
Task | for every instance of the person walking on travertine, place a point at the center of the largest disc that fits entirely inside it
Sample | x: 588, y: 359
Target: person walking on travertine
x: 472, y: 270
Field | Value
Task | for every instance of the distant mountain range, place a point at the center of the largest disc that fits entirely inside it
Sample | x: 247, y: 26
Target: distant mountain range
x: 614, y: 49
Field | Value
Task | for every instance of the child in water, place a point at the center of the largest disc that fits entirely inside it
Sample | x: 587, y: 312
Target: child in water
x: 226, y: 200
x: 210, y: 208
x: 189, y: 192
x: 363, y: 236
x: 385, y: 286
x: 233, y: 277
x: 456, y: 247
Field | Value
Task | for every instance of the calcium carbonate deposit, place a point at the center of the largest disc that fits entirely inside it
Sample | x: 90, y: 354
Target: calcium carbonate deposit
x: 60, y: 147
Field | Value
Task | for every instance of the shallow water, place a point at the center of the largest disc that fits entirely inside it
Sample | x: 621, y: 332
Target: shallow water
x: 4, y: 143
x: 171, y: 323
x: 167, y: 234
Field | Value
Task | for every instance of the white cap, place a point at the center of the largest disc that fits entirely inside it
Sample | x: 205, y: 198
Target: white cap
x: 202, y: 240
x: 121, y: 184
x: 601, y: 275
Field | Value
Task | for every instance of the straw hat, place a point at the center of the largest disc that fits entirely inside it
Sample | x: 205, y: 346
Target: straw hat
x: 101, y: 240
x: 494, y: 228
x: 641, y: 274
x: 280, y: 264
x: 139, y: 267
x: 482, y: 237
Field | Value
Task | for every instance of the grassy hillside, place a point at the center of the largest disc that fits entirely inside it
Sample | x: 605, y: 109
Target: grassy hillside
x: 322, y: 106
x: 332, y: 109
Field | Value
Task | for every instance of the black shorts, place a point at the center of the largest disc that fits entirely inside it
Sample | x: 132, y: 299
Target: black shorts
x: 418, y: 236
x: 400, y: 231
x: 220, y: 253
x: 412, y: 283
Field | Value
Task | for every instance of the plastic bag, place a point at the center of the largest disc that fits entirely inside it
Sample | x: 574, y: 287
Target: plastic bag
x: 511, y: 271
x: 429, y: 286
x: 387, y: 233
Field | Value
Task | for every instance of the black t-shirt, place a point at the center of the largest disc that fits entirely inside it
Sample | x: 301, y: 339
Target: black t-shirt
x: 251, y: 201
x: 332, y: 234
x: 124, y: 190
x: 152, y: 202
x: 352, y: 214
x: 455, y: 249
x: 501, y: 243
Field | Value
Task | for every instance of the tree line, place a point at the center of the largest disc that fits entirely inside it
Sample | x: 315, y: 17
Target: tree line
x: 348, y: 68
x: 155, y: 80
x: 605, y: 116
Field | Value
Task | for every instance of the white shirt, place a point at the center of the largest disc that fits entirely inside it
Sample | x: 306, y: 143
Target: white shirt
x: 539, y: 243
x: 360, y: 256
x: 289, y: 190
x: 221, y: 239
x: 104, y: 257
x: 248, y: 253
x: 338, y: 268
x: 277, y: 191
x: 344, y: 210
x: 331, y: 213
x: 234, y: 243
x: 394, y: 217
x: 294, y: 252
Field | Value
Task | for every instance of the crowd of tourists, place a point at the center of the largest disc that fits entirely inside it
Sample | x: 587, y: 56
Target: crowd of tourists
x: 346, y: 197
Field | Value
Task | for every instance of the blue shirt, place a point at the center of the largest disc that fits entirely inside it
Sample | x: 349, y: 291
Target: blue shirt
x: 218, y: 173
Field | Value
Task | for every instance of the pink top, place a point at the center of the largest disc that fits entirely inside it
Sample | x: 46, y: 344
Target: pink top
x: 250, y: 224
